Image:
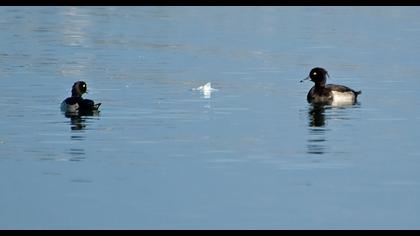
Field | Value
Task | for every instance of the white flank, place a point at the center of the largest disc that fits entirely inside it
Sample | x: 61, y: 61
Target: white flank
x: 341, y: 99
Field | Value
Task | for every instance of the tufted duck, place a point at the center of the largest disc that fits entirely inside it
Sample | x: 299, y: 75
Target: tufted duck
x: 76, y: 103
x: 329, y: 93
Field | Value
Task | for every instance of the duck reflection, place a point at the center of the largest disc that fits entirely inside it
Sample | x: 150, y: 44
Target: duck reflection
x: 77, y: 125
x: 317, y: 139
x: 318, y: 116
x: 77, y: 154
x: 78, y: 119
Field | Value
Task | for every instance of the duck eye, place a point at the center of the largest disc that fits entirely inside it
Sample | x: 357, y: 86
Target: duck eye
x: 314, y: 73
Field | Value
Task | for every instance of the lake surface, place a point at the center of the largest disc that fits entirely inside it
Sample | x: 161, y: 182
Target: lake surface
x: 251, y: 155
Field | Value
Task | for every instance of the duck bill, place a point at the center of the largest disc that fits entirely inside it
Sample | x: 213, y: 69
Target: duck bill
x: 304, y: 79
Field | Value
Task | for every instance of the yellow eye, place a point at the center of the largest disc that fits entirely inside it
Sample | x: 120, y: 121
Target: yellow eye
x: 314, y: 73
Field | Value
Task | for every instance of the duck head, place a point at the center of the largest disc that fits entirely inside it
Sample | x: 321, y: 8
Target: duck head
x: 78, y: 89
x: 317, y: 75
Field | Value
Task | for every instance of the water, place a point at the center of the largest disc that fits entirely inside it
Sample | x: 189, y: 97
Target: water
x: 250, y: 155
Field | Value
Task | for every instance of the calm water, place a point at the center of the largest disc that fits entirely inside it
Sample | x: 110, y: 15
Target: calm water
x: 251, y: 155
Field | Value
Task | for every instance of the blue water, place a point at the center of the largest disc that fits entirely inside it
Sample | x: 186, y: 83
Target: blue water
x: 251, y: 155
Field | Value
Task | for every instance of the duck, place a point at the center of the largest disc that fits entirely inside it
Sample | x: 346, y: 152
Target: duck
x: 328, y: 93
x: 76, y: 103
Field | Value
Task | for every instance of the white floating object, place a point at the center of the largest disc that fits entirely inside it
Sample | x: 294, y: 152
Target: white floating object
x: 206, y: 90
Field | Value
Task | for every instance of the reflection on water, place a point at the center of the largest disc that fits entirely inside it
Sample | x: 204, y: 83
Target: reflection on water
x: 318, y: 116
x: 317, y: 139
x: 78, y: 120
x: 77, y: 154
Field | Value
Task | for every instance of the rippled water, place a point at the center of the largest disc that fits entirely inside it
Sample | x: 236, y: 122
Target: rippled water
x: 251, y: 155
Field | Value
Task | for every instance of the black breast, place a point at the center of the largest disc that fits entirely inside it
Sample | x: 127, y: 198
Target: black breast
x: 319, y: 94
